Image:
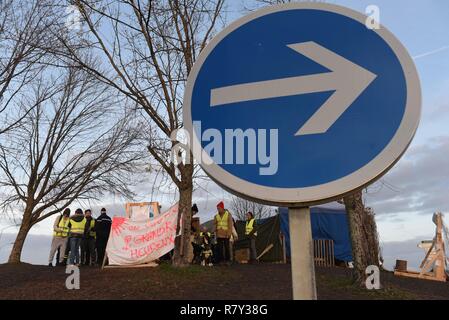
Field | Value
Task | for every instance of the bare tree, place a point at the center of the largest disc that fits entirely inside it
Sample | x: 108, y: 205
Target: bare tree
x: 25, y: 26
x: 148, y: 51
x: 240, y: 207
x: 74, y: 145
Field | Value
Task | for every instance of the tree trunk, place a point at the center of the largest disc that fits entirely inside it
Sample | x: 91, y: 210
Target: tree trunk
x: 373, y: 254
x: 17, y: 248
x: 355, y: 209
x: 182, y: 243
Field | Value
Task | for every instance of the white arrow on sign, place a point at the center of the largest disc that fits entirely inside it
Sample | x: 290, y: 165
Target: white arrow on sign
x: 347, y: 79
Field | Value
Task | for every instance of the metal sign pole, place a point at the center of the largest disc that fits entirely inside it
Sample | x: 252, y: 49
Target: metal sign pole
x: 301, y: 254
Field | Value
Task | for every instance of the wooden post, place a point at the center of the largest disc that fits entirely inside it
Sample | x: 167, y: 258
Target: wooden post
x: 284, y: 249
x: 104, y: 260
x: 301, y: 253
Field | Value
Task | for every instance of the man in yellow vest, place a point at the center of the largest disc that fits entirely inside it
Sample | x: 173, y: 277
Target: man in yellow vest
x: 251, y: 234
x: 88, y: 254
x: 77, y: 224
x: 223, y: 231
x: 60, y: 234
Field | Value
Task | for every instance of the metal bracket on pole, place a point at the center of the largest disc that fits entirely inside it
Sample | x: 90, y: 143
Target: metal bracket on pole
x: 301, y: 254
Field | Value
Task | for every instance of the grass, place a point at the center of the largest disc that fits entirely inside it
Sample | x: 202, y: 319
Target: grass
x: 182, y: 271
x: 346, y: 284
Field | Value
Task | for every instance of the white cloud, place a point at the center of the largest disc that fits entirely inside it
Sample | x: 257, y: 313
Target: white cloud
x: 421, y: 180
x: 403, y: 250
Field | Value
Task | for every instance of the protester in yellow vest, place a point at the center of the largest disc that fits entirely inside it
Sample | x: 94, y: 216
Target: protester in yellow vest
x: 60, y: 234
x: 251, y: 234
x: 88, y: 253
x: 77, y: 224
x: 223, y: 231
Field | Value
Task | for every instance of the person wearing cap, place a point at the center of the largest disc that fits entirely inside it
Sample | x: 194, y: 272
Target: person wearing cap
x: 77, y: 225
x: 60, y: 234
x: 88, y: 256
x: 102, y: 229
x: 223, y: 231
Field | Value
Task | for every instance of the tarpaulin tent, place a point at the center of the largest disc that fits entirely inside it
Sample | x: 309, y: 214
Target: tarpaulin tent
x: 268, y: 235
x: 327, y: 223
x: 268, y: 231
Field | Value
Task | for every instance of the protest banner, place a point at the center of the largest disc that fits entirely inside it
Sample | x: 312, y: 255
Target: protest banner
x: 134, y: 242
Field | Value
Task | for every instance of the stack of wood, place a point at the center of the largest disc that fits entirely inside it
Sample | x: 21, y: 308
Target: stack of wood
x: 433, y: 267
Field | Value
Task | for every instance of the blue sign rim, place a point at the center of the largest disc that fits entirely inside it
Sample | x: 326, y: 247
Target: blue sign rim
x: 296, y: 197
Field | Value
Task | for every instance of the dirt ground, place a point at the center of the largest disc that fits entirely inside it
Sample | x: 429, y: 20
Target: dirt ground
x: 237, y: 282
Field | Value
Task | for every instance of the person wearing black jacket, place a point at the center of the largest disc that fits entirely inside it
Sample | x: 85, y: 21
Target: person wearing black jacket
x: 102, y: 230
x: 194, y: 212
x: 88, y: 256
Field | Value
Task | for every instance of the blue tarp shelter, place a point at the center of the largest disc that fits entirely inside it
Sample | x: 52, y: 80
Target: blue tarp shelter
x: 327, y: 223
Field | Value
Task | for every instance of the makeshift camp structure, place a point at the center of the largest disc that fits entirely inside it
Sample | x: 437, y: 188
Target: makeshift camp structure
x: 434, y: 265
x: 329, y: 222
x: 330, y: 232
x: 269, y: 241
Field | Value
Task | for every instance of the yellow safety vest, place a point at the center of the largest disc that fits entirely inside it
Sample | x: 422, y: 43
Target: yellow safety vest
x: 249, y: 226
x: 92, y: 225
x: 222, y: 222
x: 77, y: 227
x: 64, y: 226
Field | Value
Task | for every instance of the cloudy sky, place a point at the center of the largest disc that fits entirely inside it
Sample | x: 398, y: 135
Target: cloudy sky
x: 405, y: 199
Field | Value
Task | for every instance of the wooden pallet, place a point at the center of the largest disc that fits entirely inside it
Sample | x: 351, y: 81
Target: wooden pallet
x: 323, y: 251
x: 433, y: 267
x: 418, y: 275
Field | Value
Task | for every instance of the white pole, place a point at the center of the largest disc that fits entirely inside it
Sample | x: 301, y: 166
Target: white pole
x: 301, y: 254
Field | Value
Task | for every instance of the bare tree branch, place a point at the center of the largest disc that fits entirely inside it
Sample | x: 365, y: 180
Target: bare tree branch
x: 76, y: 143
x: 240, y: 207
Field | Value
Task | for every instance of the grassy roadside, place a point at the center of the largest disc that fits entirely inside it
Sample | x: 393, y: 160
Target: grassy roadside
x: 345, y: 284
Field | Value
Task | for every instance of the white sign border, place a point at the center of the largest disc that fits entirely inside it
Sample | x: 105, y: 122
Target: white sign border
x: 297, y: 197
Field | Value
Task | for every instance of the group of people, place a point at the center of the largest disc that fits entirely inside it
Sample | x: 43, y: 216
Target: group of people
x: 216, y: 247
x: 80, y: 238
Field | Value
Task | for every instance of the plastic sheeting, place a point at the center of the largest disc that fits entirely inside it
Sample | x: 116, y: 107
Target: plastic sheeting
x: 268, y: 231
x: 327, y: 223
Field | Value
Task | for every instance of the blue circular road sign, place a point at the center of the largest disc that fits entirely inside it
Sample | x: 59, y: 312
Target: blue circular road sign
x: 300, y: 104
